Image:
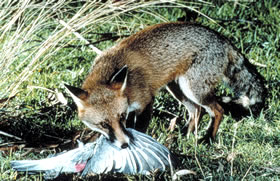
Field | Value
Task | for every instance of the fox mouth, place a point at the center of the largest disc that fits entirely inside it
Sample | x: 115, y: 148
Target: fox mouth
x: 111, y: 136
x: 127, y: 136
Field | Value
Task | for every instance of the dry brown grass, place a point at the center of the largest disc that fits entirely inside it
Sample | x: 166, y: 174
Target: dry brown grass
x: 22, y: 51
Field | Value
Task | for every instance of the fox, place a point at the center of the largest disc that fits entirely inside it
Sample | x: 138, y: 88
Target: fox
x: 188, y: 59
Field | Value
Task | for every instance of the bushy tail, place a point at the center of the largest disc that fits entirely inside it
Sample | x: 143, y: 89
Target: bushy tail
x: 248, y: 91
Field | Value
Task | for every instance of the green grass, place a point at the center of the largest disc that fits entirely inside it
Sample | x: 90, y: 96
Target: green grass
x: 248, y: 149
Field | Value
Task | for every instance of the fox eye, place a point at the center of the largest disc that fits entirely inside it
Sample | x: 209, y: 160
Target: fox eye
x: 105, y: 125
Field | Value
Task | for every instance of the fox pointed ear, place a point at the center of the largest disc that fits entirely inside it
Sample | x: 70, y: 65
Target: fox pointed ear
x: 77, y: 94
x: 119, y: 79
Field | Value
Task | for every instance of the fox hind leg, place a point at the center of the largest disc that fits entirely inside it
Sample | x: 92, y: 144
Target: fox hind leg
x: 194, y: 110
x: 214, y: 125
x: 201, y: 95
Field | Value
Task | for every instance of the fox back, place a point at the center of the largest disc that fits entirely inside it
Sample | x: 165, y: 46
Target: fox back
x: 126, y: 77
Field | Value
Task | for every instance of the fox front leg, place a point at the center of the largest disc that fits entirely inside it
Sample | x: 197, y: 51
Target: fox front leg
x: 141, y: 121
x: 131, y: 119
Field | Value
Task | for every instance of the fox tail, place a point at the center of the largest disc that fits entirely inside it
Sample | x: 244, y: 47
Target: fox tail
x: 247, y: 87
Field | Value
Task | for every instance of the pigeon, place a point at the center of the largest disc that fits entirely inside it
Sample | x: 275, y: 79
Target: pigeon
x: 143, y: 156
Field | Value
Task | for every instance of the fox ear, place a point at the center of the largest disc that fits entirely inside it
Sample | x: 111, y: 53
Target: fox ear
x: 119, y: 79
x: 77, y: 94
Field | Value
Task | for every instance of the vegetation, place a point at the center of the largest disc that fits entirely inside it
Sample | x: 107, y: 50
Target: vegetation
x: 39, y: 54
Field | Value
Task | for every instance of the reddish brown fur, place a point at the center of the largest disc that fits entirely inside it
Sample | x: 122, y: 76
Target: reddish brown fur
x: 145, y: 72
x: 155, y: 57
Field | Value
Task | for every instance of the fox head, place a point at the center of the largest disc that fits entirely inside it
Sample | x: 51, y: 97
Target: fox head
x: 103, y: 108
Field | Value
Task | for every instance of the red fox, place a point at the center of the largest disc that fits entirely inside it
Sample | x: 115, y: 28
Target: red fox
x: 188, y: 59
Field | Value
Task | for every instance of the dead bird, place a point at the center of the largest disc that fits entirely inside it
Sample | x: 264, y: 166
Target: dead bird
x: 143, y: 156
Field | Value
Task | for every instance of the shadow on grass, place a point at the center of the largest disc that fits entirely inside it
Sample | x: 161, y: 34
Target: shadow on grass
x: 37, y: 128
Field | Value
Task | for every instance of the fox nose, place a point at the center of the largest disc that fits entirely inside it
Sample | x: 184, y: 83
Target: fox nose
x: 124, y: 145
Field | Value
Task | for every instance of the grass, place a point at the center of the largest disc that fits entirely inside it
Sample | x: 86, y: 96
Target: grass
x: 38, y: 54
